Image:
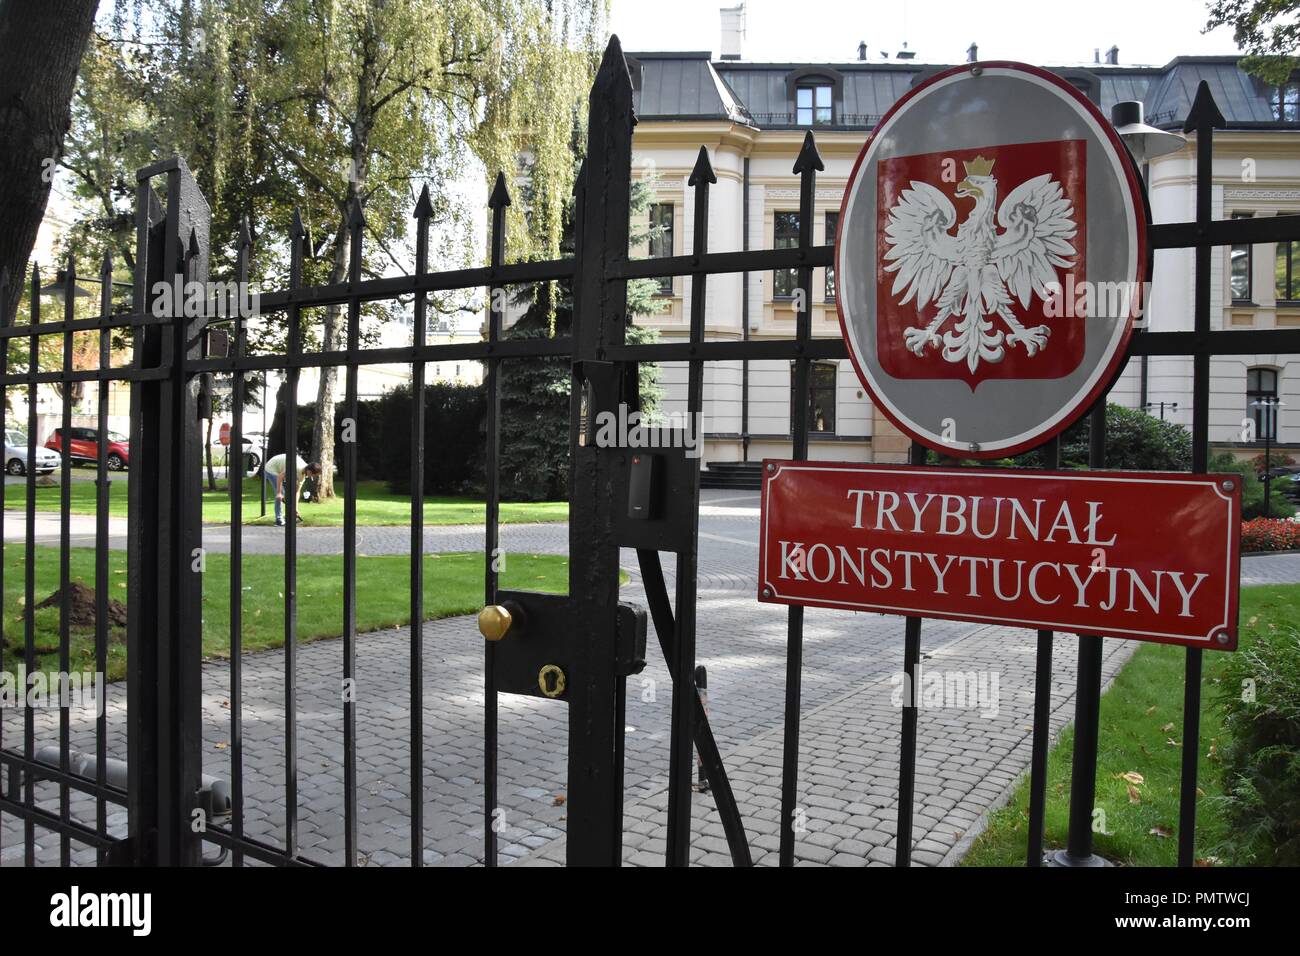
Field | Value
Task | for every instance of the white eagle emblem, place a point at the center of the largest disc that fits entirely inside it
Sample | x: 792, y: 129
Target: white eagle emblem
x: 975, y: 273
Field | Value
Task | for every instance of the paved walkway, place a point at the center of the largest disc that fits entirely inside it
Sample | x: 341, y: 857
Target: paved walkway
x: 970, y: 752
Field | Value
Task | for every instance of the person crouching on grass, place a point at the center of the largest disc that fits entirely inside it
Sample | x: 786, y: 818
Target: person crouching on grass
x: 274, y: 474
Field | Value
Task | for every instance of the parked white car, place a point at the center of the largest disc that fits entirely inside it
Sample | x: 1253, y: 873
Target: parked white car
x: 16, y: 455
x: 254, y: 451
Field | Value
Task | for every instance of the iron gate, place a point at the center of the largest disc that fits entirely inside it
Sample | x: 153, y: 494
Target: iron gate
x: 592, y: 641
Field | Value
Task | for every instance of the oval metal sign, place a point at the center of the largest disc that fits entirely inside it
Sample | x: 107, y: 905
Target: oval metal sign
x: 991, y: 248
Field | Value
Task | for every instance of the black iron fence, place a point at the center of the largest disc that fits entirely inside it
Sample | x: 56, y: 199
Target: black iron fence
x: 586, y: 642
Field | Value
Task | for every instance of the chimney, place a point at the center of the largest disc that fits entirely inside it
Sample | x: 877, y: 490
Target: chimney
x: 1096, y: 54
x: 733, y: 30
x: 972, y: 53
x: 1112, y: 56
x: 862, y: 50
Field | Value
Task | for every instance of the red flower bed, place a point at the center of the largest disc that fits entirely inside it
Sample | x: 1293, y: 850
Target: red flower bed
x: 1270, y: 534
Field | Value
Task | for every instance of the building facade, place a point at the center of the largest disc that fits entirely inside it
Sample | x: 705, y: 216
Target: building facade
x: 752, y: 117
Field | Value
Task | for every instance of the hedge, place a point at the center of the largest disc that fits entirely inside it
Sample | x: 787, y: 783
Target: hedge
x: 453, y: 439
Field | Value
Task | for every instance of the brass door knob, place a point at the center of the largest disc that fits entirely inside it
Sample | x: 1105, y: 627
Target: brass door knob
x: 494, y: 622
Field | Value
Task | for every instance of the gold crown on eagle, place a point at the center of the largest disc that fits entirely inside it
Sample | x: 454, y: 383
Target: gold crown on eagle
x: 979, y: 166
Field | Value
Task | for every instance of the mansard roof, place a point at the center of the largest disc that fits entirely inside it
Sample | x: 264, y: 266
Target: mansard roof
x: 694, y: 86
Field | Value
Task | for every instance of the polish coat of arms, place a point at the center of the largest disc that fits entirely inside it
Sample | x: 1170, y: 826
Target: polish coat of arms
x: 966, y: 261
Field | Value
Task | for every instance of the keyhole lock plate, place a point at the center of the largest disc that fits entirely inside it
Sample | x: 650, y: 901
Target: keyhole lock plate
x: 551, y: 680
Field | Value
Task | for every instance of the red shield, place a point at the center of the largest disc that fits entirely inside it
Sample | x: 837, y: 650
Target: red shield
x: 978, y: 232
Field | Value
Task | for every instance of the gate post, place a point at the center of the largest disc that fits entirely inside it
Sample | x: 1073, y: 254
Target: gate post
x: 164, y: 547
x: 595, y: 804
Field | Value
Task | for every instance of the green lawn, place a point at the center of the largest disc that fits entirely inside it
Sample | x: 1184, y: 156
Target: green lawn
x: 1141, y: 733
x: 453, y: 585
x: 376, y: 505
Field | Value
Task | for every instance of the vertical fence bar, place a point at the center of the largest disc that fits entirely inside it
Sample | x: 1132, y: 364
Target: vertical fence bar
x: 184, y: 635
x: 235, y: 486
x: 497, y: 203
x: 102, y: 554
x: 6, y: 319
x: 423, y: 213
x: 65, y: 545
x: 806, y: 168
x: 356, y: 223
x: 682, y: 733
x: 1042, y: 713
x: 29, y: 583
x: 1203, y: 118
x: 297, y: 239
x: 140, y: 546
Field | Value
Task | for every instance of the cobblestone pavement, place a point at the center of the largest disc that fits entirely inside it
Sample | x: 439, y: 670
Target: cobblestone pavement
x: 969, y: 752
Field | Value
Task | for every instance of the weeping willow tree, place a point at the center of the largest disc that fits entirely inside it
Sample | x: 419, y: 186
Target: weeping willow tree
x: 385, y: 88
x: 328, y: 105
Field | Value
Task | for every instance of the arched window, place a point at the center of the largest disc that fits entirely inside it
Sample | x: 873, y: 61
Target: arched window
x: 1261, y: 401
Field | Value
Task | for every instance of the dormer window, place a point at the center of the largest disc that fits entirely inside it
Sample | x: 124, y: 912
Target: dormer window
x: 813, y: 104
x: 813, y: 92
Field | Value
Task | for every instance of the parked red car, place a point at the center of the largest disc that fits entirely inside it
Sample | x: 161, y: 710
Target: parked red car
x: 84, y: 446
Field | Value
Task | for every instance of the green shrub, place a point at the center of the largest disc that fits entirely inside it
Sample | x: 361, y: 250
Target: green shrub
x: 1260, y: 689
x: 1252, y: 489
x: 1276, y: 459
x: 1135, y: 441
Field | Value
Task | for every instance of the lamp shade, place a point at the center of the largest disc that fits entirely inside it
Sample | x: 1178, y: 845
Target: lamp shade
x: 1145, y: 142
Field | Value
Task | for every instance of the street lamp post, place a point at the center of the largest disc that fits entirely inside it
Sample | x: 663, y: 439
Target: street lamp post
x: 1269, y: 422
x: 1173, y: 407
x: 266, y: 444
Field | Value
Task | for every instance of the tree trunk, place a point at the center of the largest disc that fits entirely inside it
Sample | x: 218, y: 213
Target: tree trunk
x: 43, y: 44
x: 207, y: 451
x: 322, y: 432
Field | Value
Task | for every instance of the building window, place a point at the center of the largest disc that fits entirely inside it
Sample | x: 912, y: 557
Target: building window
x: 813, y: 105
x: 832, y: 227
x: 661, y: 239
x: 820, y: 406
x: 1239, y: 266
x: 1288, y: 271
x: 1261, y: 392
x: 785, y: 236
x: 1286, y: 102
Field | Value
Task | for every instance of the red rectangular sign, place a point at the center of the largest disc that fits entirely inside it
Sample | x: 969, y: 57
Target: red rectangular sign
x: 1146, y: 555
